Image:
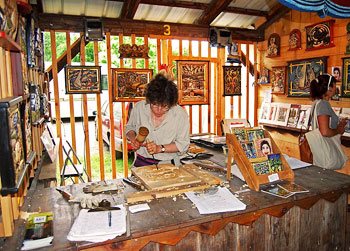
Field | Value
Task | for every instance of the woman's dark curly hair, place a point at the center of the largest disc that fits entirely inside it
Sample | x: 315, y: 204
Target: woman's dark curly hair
x: 161, y: 91
x: 319, y: 86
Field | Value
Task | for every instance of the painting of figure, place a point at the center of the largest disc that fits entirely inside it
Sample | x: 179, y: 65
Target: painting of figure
x: 193, y: 82
x: 83, y: 79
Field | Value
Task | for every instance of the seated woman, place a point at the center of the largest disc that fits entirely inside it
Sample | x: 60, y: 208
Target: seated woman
x: 167, y: 123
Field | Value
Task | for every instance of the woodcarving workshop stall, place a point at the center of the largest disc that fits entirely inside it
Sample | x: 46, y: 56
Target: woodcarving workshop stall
x: 241, y: 185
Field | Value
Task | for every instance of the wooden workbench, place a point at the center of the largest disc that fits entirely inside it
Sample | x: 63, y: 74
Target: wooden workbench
x: 313, y: 221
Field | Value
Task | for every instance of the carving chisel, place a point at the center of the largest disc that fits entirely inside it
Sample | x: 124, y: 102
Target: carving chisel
x: 147, y: 140
x: 133, y: 184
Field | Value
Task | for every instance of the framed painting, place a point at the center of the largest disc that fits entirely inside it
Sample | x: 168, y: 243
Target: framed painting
x: 278, y: 80
x: 232, y: 80
x: 130, y: 84
x: 265, y: 76
x: 193, y: 82
x: 300, y: 73
x: 274, y: 46
x: 294, y: 40
x: 319, y: 35
x: 83, y: 79
x: 345, y: 89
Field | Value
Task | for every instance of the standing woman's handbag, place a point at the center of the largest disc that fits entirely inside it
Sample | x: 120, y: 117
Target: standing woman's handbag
x: 326, y: 151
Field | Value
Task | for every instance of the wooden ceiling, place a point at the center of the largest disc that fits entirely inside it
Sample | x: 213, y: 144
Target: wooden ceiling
x: 186, y: 18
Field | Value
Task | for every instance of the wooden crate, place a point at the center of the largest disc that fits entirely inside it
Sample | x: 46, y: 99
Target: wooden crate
x: 253, y: 180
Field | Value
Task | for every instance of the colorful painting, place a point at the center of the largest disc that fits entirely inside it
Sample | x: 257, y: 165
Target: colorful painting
x: 265, y: 76
x: 301, y: 73
x: 83, y: 79
x: 249, y: 149
x: 345, y: 90
x: 232, y: 80
x: 282, y: 114
x: 278, y: 79
x: 293, y: 115
x: 253, y: 134
x: 193, y: 82
x: 294, y: 40
x: 274, y: 46
x: 261, y: 168
x: 130, y: 84
x: 347, y: 47
x: 239, y: 133
x: 319, y: 35
x: 16, y: 140
x: 304, y: 116
x: 275, y: 162
x: 337, y: 73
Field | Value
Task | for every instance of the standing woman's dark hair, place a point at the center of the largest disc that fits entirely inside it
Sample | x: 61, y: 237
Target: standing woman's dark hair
x: 320, y: 85
x: 161, y: 91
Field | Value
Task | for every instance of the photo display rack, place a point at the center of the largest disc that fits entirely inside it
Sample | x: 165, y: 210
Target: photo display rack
x: 253, y: 179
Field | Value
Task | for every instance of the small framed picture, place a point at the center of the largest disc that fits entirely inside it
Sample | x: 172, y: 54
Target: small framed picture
x: 294, y: 40
x: 337, y: 73
x: 274, y: 46
x: 232, y: 80
x: 83, y: 79
x: 193, y: 82
x: 129, y: 84
x: 265, y: 76
x: 345, y: 90
x: 278, y: 80
x: 319, y: 35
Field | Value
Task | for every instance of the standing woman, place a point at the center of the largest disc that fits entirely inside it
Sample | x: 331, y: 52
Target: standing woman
x: 167, y: 123
x: 321, y: 90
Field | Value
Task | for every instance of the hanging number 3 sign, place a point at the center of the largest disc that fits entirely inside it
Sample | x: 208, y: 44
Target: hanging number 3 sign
x: 167, y: 30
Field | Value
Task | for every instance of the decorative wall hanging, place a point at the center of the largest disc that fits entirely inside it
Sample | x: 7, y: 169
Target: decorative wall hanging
x: 130, y: 84
x: 278, y: 80
x: 345, y: 90
x: 265, y: 76
x: 133, y: 51
x: 83, y: 79
x: 193, y: 82
x: 319, y: 35
x: 295, y: 40
x: 232, y: 80
x: 233, y: 55
x: 301, y: 73
x: 348, y: 39
x: 274, y: 45
x: 333, y: 8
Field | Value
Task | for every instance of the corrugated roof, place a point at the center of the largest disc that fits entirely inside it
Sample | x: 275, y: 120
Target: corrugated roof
x: 148, y: 12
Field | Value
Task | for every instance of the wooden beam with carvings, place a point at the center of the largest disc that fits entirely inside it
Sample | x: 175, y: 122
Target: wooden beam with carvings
x: 212, y: 11
x: 140, y: 27
x: 129, y: 9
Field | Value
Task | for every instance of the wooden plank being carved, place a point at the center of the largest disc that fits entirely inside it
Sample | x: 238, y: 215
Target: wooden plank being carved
x: 167, y: 175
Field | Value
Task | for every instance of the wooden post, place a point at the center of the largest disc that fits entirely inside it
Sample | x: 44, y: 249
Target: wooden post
x: 3, y: 74
x: 57, y: 96
x: 9, y: 74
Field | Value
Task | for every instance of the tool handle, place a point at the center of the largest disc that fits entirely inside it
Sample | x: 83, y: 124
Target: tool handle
x: 65, y: 194
x: 133, y: 184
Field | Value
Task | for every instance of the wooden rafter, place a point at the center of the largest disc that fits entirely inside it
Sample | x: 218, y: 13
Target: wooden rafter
x: 139, y: 27
x: 129, y: 9
x: 200, y: 6
x: 62, y: 60
x: 280, y: 12
x: 213, y: 10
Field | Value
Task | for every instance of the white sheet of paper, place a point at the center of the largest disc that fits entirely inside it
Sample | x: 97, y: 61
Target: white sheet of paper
x: 94, y: 226
x: 139, y: 208
x: 295, y: 163
x: 222, y: 201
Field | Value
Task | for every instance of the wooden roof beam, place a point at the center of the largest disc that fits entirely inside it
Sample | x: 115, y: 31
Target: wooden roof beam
x: 139, y: 27
x: 213, y: 10
x: 274, y: 17
x: 129, y: 9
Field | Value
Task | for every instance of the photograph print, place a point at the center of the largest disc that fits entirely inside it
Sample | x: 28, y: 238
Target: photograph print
x: 129, y: 84
x: 83, y: 79
x: 301, y: 73
x: 193, y: 82
x: 232, y: 80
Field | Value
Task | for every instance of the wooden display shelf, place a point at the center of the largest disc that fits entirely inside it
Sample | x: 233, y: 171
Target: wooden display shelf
x: 8, y: 43
x: 251, y: 177
x: 345, y: 138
